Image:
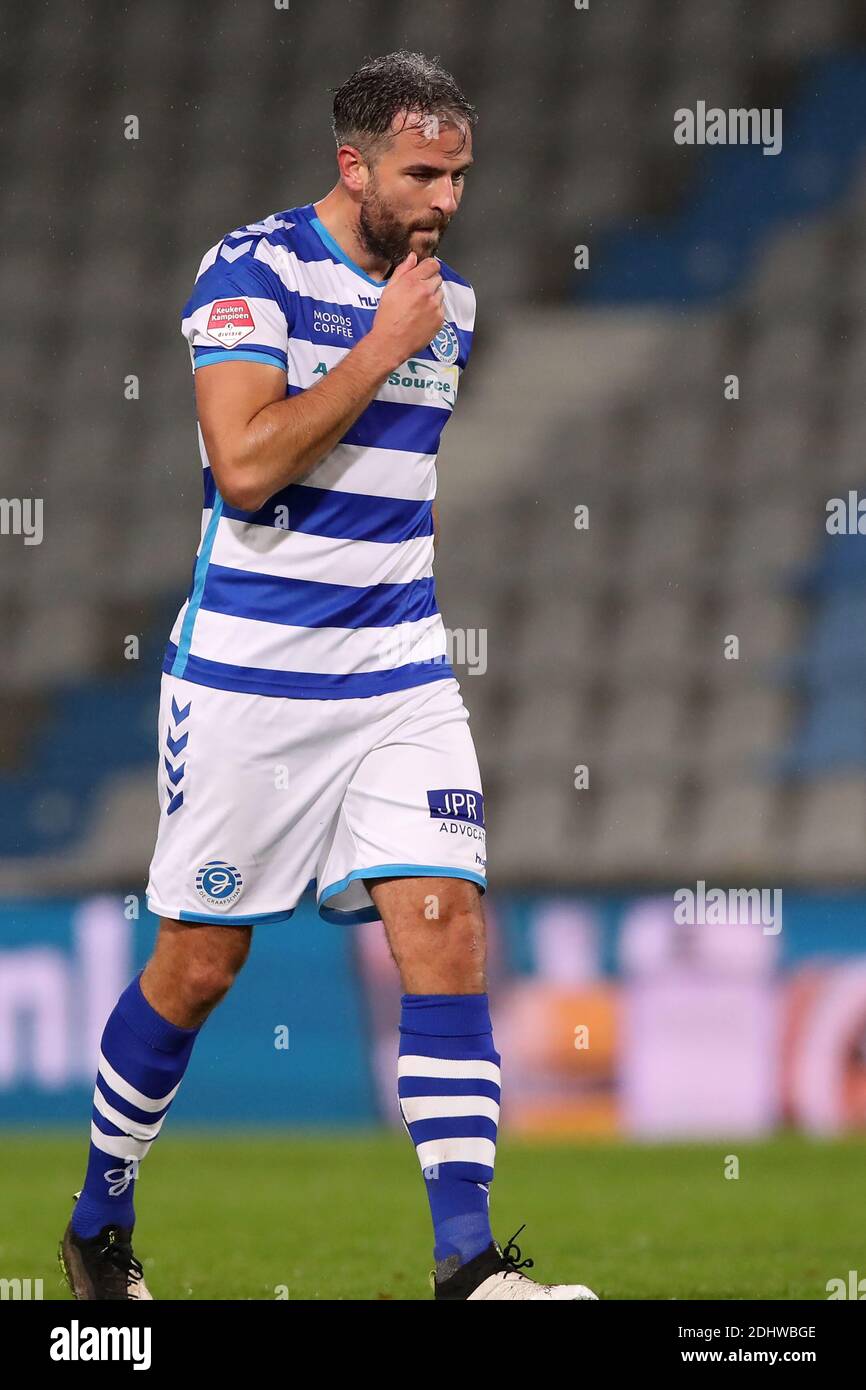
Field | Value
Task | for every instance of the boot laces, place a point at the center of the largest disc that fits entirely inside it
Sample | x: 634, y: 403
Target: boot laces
x: 512, y: 1261
x: 118, y: 1254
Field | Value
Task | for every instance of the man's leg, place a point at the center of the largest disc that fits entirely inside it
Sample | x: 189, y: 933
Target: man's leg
x: 145, y: 1048
x: 448, y: 1070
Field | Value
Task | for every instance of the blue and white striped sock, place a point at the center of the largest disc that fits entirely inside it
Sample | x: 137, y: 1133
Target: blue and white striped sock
x: 448, y: 1085
x: 141, y: 1063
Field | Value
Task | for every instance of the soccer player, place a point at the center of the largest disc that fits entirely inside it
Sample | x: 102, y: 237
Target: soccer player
x: 310, y: 725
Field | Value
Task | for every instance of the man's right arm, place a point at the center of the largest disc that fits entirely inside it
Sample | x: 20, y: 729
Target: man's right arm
x: 258, y: 440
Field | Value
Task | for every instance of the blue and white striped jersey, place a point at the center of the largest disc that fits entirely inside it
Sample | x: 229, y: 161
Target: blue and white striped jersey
x: 327, y: 591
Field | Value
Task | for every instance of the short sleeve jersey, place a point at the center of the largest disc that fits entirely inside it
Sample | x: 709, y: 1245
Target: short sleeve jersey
x: 327, y: 590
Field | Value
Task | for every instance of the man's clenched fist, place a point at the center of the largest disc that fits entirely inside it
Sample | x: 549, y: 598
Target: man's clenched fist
x: 412, y: 308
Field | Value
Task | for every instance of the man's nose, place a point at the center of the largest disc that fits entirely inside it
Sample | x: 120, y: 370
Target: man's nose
x: 444, y: 199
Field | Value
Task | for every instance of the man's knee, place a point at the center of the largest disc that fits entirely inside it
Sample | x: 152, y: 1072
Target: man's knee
x: 208, y: 980
x: 461, y: 931
x: 193, y: 967
x: 457, y: 942
x: 456, y: 905
x: 436, y: 933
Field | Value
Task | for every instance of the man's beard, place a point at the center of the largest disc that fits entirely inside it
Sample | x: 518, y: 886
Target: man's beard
x: 383, y: 234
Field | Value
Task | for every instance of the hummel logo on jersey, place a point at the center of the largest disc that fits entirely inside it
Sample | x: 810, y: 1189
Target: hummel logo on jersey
x: 230, y: 321
x: 456, y: 805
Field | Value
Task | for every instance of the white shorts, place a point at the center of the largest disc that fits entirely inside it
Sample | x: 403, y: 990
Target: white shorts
x: 260, y: 795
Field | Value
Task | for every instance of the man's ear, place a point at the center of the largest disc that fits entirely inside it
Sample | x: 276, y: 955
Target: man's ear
x: 353, y: 171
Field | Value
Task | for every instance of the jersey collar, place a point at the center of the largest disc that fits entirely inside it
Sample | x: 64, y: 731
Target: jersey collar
x: 336, y: 249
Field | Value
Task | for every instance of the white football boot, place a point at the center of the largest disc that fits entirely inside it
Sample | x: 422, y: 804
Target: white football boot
x: 496, y: 1274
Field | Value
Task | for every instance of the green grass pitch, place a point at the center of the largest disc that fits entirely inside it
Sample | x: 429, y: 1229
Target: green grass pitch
x: 222, y: 1216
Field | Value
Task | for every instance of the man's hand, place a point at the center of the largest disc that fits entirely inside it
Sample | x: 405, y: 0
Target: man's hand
x: 411, y: 310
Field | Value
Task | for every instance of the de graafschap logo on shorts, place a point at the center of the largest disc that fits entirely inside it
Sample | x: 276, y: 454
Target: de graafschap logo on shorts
x: 445, y: 346
x: 219, y: 884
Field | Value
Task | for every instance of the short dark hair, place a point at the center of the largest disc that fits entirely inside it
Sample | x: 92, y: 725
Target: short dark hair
x: 367, y: 102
